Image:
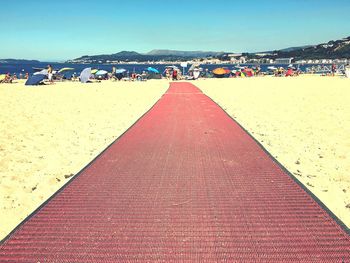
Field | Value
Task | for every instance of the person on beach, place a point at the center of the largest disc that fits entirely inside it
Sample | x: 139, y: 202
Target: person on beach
x: 133, y: 76
x: 347, y: 70
x: 49, y: 73
x: 167, y: 73
x: 174, y: 74
x: 114, y: 69
x: 8, y: 78
x: 144, y: 75
x: 290, y: 72
x: 257, y: 71
x: 334, y: 69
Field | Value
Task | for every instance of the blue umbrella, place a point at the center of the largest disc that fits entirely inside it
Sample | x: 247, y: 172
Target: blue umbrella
x: 119, y: 71
x: 153, y: 70
x: 85, y: 75
x: 35, y: 79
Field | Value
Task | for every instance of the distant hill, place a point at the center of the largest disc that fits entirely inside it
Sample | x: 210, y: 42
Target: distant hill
x: 18, y: 61
x: 294, y: 48
x: 166, y: 52
x: 331, y: 50
x: 154, y: 55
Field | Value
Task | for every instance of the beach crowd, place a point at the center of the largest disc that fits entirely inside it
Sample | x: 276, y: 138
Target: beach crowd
x: 170, y: 73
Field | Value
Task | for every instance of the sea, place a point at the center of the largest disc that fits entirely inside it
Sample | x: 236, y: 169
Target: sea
x: 17, y: 69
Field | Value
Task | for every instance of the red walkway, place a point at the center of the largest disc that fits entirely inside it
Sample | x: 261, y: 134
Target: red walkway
x: 185, y: 184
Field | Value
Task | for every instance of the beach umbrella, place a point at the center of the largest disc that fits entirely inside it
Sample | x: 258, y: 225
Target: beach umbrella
x: 120, y: 71
x: 65, y: 69
x: 93, y: 71
x: 219, y: 71
x: 42, y: 72
x: 35, y: 79
x: 150, y: 69
x: 101, y: 72
x: 85, y: 75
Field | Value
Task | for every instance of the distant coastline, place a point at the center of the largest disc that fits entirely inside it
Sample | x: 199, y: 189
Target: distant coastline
x: 337, y: 52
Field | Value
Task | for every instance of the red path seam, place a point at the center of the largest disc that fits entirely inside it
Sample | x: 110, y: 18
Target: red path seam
x: 184, y: 184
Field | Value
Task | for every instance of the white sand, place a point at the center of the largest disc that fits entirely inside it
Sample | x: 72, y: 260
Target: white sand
x: 51, y: 132
x: 303, y: 121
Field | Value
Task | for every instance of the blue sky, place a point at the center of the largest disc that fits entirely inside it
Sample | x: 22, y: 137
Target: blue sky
x: 62, y: 29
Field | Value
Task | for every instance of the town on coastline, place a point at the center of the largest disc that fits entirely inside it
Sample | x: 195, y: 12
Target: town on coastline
x: 232, y: 59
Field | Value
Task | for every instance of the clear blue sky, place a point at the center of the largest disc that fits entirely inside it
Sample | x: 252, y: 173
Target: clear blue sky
x: 63, y: 29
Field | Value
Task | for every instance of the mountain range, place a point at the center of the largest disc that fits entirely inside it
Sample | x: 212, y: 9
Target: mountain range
x: 330, y: 50
x: 154, y: 55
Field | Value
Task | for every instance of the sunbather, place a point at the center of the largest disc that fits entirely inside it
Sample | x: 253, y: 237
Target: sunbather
x: 8, y: 78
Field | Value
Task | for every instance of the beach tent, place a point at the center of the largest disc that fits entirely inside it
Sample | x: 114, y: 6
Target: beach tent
x: 85, y: 75
x: 150, y: 69
x: 35, y: 79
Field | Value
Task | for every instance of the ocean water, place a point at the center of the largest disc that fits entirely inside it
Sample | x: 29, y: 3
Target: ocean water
x: 138, y: 68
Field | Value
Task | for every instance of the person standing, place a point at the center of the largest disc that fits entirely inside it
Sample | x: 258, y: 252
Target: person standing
x: 49, y: 73
x: 334, y: 69
x: 174, y: 74
x: 167, y: 74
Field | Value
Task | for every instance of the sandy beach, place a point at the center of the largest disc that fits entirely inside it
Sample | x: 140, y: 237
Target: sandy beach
x: 304, y: 122
x: 49, y: 133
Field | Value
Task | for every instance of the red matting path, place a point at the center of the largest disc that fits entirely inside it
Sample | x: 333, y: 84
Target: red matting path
x: 184, y: 184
